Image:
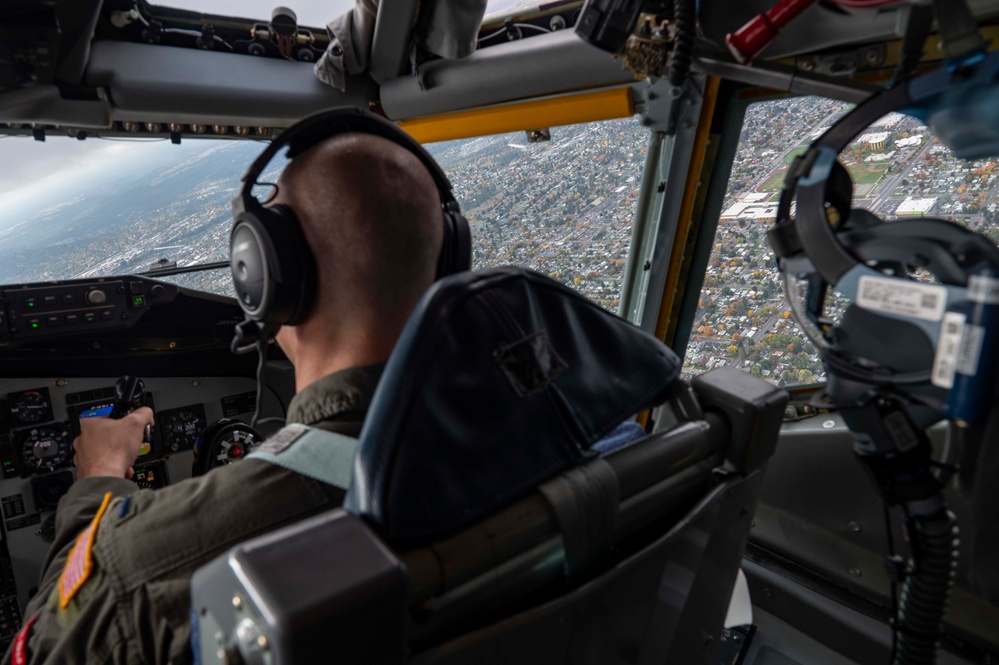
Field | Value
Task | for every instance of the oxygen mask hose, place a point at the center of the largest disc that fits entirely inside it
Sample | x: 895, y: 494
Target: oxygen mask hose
x: 926, y: 591
x: 894, y: 447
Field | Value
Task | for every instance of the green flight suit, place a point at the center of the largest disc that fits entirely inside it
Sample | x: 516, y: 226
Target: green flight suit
x: 135, y: 605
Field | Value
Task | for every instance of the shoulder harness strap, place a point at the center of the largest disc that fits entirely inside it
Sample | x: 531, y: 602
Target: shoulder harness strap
x: 324, y: 456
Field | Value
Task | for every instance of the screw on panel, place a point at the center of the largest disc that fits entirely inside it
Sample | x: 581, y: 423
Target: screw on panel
x: 230, y: 656
x: 237, y: 602
x: 195, y: 383
x: 855, y: 526
x: 855, y: 572
x: 263, y: 643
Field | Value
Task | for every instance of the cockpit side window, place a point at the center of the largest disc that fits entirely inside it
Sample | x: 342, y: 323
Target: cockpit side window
x: 898, y: 169
x: 563, y: 206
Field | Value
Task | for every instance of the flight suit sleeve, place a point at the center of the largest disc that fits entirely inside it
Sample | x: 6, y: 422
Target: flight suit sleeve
x: 76, y: 509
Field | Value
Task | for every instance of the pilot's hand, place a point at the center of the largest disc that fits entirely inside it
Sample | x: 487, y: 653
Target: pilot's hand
x: 108, y: 447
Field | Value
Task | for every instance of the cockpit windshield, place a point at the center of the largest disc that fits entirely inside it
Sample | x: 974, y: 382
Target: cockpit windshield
x: 77, y: 209
x: 314, y: 13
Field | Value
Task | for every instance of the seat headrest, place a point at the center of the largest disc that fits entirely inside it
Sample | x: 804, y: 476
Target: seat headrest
x: 501, y: 379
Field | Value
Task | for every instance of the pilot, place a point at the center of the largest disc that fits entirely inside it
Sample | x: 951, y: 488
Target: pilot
x: 115, y: 584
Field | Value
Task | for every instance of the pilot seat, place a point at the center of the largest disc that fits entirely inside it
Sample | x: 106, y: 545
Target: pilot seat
x: 482, y: 526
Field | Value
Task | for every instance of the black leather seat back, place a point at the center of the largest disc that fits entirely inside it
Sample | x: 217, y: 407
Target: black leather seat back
x: 500, y: 380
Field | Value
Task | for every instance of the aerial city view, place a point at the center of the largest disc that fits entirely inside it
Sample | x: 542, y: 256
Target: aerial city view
x: 563, y: 207
x: 897, y: 169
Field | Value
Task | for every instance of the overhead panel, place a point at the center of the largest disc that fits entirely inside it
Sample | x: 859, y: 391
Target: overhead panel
x: 550, y: 64
x: 538, y: 114
x: 169, y: 84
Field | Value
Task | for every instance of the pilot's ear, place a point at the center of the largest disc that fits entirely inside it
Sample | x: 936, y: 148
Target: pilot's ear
x: 285, y: 338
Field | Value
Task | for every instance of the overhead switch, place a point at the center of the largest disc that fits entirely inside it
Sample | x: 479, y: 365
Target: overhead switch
x: 96, y: 297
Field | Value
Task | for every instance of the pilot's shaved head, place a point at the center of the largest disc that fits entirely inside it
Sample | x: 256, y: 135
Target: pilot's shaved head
x: 371, y: 212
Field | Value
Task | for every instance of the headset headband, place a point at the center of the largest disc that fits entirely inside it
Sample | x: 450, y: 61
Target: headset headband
x: 315, y: 128
x: 927, y: 98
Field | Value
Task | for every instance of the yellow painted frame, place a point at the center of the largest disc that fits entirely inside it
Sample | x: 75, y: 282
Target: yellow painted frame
x: 521, y: 116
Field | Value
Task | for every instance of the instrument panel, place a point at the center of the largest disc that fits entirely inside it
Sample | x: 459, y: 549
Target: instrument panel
x: 174, y: 339
x: 40, y: 417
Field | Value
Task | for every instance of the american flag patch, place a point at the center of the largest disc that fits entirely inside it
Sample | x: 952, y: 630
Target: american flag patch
x: 80, y: 561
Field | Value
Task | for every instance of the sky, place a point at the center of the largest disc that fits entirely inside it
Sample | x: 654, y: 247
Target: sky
x: 34, y: 174
x: 30, y: 170
x: 311, y: 13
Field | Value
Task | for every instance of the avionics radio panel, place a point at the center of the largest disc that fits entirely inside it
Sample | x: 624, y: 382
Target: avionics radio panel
x: 79, y: 306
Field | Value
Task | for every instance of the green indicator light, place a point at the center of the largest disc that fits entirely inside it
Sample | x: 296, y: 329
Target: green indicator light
x: 138, y: 301
x: 34, y: 325
x: 31, y: 303
x: 89, y: 319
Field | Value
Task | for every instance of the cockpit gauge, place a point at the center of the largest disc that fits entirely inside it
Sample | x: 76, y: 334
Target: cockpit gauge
x: 30, y: 406
x: 47, y: 530
x: 51, y: 487
x: 151, y: 476
x: 181, y: 427
x: 45, y: 448
x: 225, y: 442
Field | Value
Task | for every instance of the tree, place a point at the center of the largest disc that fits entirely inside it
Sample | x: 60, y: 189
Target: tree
x: 732, y: 351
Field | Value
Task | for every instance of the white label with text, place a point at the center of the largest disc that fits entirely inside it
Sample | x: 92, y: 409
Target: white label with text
x: 945, y: 361
x: 896, y: 296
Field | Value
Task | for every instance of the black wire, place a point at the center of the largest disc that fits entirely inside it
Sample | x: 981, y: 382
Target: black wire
x: 261, y: 359
x: 893, y: 581
x: 273, y: 192
x: 261, y: 363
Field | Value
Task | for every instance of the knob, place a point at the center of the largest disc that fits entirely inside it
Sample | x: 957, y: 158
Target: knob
x: 96, y: 297
x: 157, y: 291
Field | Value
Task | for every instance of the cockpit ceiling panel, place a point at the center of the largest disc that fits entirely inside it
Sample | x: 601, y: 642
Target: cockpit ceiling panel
x: 822, y: 26
x: 167, y: 84
x: 545, y: 65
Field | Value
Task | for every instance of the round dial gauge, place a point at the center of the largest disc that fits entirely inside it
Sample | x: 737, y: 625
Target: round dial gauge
x: 29, y: 407
x: 225, y: 442
x: 45, y: 448
x: 234, y: 445
x: 181, y: 429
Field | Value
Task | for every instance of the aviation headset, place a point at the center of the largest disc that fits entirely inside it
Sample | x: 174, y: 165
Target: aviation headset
x: 826, y: 243
x: 273, y: 269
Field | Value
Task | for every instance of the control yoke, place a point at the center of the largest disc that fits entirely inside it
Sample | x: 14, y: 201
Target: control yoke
x: 130, y: 394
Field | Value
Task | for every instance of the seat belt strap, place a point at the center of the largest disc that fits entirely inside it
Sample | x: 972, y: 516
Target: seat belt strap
x: 324, y: 456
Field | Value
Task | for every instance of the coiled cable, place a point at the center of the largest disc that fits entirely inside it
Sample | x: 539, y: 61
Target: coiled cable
x: 683, y: 41
x: 929, y: 578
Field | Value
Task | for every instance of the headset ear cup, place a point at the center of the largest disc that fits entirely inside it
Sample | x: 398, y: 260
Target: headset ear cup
x: 456, y: 249
x: 272, y: 238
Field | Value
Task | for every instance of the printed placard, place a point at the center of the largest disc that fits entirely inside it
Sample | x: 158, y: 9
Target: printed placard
x: 896, y: 296
x: 971, y: 350
x: 983, y: 289
x: 948, y: 348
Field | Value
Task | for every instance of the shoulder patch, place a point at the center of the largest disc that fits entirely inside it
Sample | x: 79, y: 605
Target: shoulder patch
x: 19, y: 654
x: 283, y: 438
x: 80, y: 561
